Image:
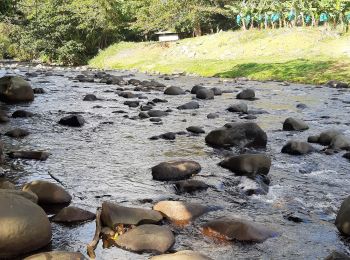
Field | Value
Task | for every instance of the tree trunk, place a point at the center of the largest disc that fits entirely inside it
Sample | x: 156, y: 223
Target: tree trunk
x: 252, y: 23
x: 198, y: 30
x: 302, y: 19
x: 243, y: 24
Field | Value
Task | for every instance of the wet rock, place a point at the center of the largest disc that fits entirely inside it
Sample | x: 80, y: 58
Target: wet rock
x: 342, y: 221
x: 340, y: 142
x: 157, y: 113
x: 297, y: 148
x: 301, y: 106
x: 337, y: 256
x: 238, y: 108
x: 146, y: 107
x: 174, y: 91
x: 3, y: 117
x: 143, y: 115
x: 73, y: 215
x: 175, y: 170
x: 205, y: 94
x: 238, y: 135
x: 182, y: 255
x: 132, y: 103
x: 247, y: 94
x: 127, y: 95
x: 179, y: 211
x: 325, y: 138
x: 313, y: 139
x: 14, y: 89
x: 258, y: 186
x: 155, y: 119
x: 158, y: 100
x: 6, y: 185
x: 134, y: 82
x: 112, y: 80
x: 168, y: 136
x: 90, y: 97
x: 57, y: 255
x: 337, y: 84
x: 237, y: 229
x: 347, y: 156
x: 2, y: 157
x: 39, y: 91
x: 17, y: 133
x: 217, y: 91
x: 27, y: 195
x: 24, y: 226
x: 294, y: 124
x: 48, y: 193
x: 196, y: 88
x: 212, y: 116
x: 112, y: 215
x: 248, y: 165
x: 189, y: 186
x: 189, y: 105
x: 22, y: 114
x: 72, y: 120
x: 29, y: 155
x: 147, y: 238
x: 85, y: 78
x: 195, y: 129
x: 297, y: 217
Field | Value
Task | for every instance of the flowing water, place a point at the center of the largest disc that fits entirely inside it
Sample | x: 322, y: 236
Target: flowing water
x: 109, y: 159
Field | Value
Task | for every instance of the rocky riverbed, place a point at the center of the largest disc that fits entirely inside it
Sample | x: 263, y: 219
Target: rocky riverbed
x: 106, y: 134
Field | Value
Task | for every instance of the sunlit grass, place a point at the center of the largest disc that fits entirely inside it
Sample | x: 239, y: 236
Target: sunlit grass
x: 297, y: 55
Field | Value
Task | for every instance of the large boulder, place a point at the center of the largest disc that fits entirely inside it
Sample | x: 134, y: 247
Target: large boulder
x: 22, y: 114
x: 195, y: 129
x: 17, y: 133
x: 196, y: 88
x: 182, y: 255
x: 28, y: 195
x: 294, y: 124
x: 248, y: 165
x: 238, y: 108
x: 190, y: 186
x: 247, y: 94
x: 57, y: 255
x: 72, y: 120
x: 297, y: 148
x: 24, y: 226
x: 157, y: 113
x: 147, y: 238
x: 335, y: 139
x: 205, y: 93
x: 238, y: 135
x: 112, y: 215
x: 14, y: 89
x: 73, y: 215
x: 48, y: 193
x: 175, y: 170
x: 189, y: 105
x: 173, y: 91
x: 343, y: 217
x: 179, y: 211
x: 237, y: 229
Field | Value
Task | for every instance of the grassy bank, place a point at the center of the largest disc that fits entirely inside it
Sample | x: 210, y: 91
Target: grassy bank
x: 296, y: 55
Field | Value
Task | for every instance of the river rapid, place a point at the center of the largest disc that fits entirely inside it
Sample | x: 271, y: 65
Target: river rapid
x: 110, y: 157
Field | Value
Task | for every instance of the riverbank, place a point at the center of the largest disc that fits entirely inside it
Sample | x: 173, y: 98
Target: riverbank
x: 300, y: 55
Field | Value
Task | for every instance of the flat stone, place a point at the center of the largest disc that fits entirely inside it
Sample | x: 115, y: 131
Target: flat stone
x: 147, y: 238
x: 73, y: 215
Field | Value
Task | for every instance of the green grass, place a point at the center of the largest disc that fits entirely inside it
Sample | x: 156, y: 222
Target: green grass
x: 297, y: 55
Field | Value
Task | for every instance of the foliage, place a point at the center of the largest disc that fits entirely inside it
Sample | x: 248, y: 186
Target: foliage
x: 72, y: 31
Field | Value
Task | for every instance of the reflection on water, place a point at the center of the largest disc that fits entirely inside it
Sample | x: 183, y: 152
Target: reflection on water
x: 112, y: 161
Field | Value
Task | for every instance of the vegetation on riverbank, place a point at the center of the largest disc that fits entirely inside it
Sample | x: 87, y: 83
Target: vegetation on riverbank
x: 69, y: 32
x: 298, y: 55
